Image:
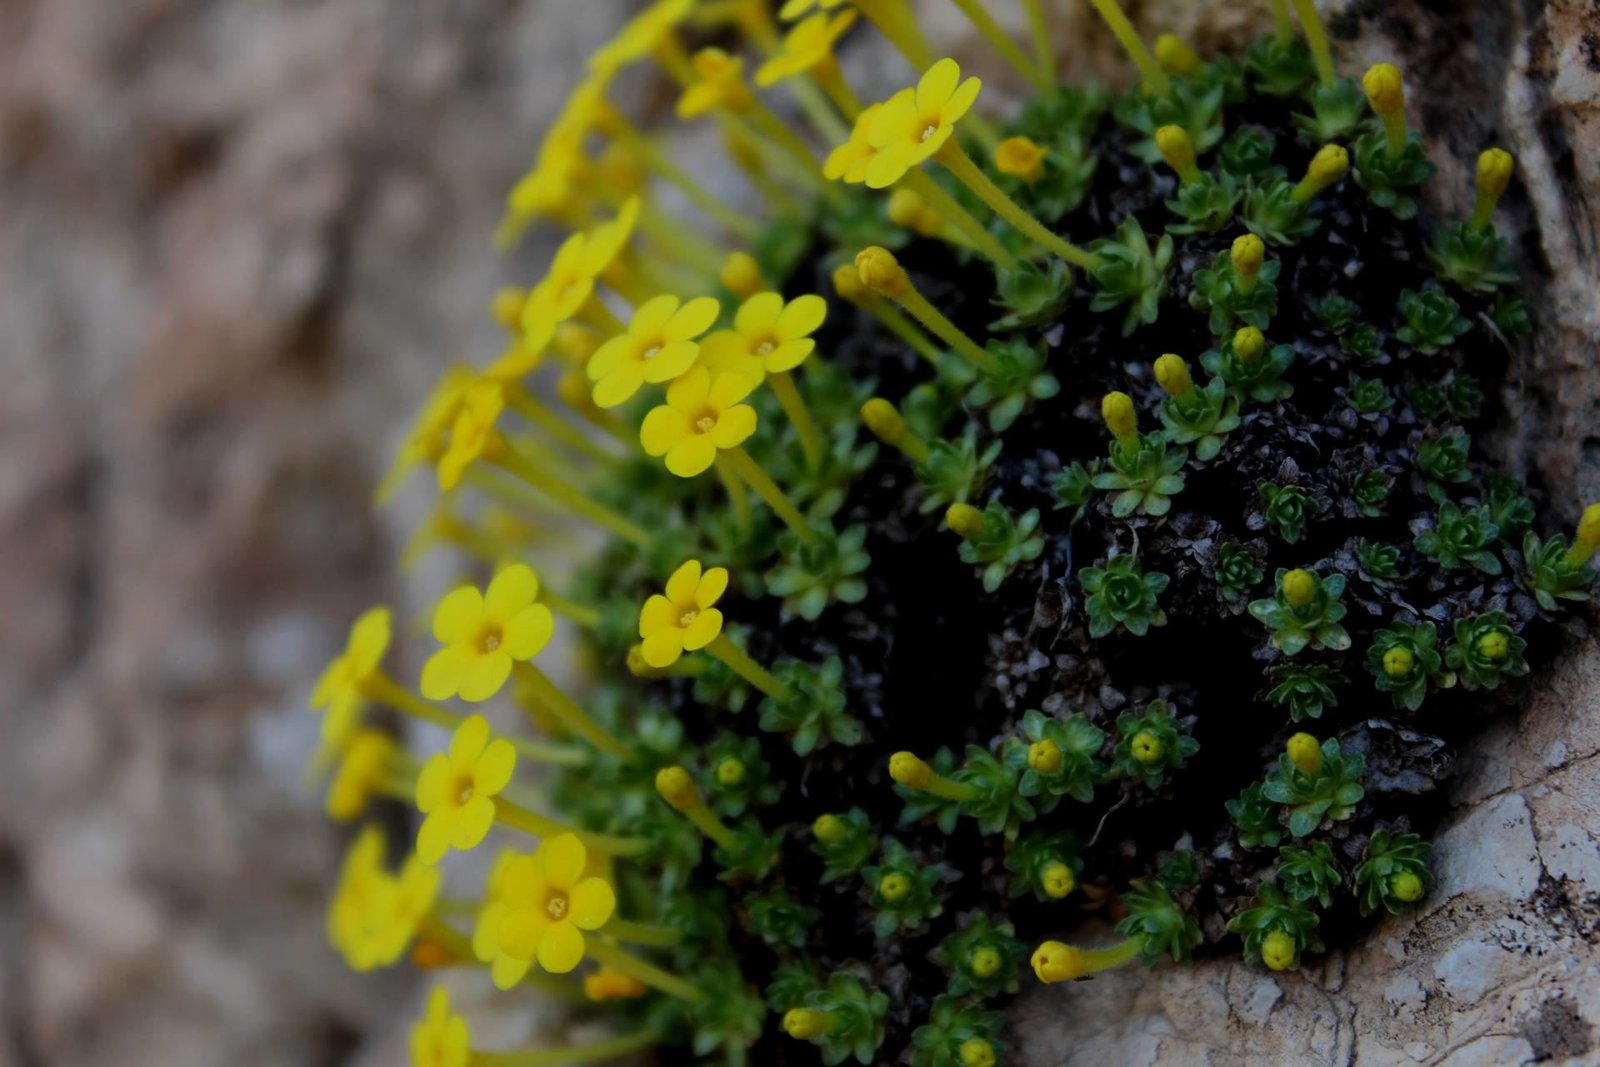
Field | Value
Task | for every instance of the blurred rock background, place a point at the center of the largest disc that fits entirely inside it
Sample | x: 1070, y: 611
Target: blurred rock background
x: 237, y: 240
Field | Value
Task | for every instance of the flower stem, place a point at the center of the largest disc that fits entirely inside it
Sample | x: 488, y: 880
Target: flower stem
x: 608, y: 954
x: 643, y: 933
x: 531, y: 822
x: 941, y: 327
x: 571, y: 715
x: 572, y: 498
x: 657, y: 161
x: 594, y: 309
x: 1044, y: 53
x: 738, y: 496
x: 818, y: 109
x: 1102, y: 959
x: 794, y: 406
x: 1001, y: 42
x: 1317, y: 40
x: 956, y: 160
x: 582, y: 614
x: 1155, y: 79
x: 535, y: 411
x: 739, y: 661
x: 899, y: 26
x: 740, y: 463
x: 678, y: 240
x: 830, y: 79
x: 610, y: 1048
x: 896, y: 323
x: 940, y: 786
x: 778, y: 132
x: 385, y: 690
x: 1283, y: 29
x: 986, y: 243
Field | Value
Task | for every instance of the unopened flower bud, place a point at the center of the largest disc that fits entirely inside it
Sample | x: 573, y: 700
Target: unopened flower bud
x: 805, y: 1024
x: 1248, y: 344
x: 1299, y: 588
x: 1172, y: 374
x: 1406, y: 887
x: 1054, y: 961
x: 965, y: 520
x: 1057, y: 880
x: 1044, y: 756
x: 1248, y: 253
x: 1385, y: 91
x: 1277, y: 950
x: 1494, y: 645
x: 677, y: 788
x: 741, y: 275
x: 985, y: 961
x: 730, y: 772
x: 1304, y: 752
x: 1174, y: 56
x: 910, y: 770
x: 1020, y: 158
x: 1398, y: 662
x: 1146, y: 747
x: 880, y: 271
x: 1176, y: 148
x: 976, y: 1052
x: 830, y: 829
x: 1116, y: 409
x: 894, y: 887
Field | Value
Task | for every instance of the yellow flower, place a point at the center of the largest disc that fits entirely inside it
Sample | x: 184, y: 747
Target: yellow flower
x: 607, y: 984
x: 659, y: 345
x: 570, y: 281
x: 640, y: 36
x: 741, y: 275
x: 721, y: 84
x: 910, y: 770
x: 768, y: 336
x: 1385, y: 90
x: 849, y: 161
x: 1021, y: 158
x: 484, y: 633
x: 806, y: 1024
x: 1299, y: 587
x: 686, y: 618
x: 1304, y: 752
x: 473, y: 433
x: 456, y: 790
x: 910, y: 129
x: 374, y: 915
x: 976, y: 1052
x: 338, y: 692
x: 546, y: 907
x: 363, y: 766
x: 806, y: 46
x: 1494, y: 171
x: 1054, y: 961
x: 440, y: 1038
x: 1172, y: 374
x: 430, y: 433
x: 702, y: 415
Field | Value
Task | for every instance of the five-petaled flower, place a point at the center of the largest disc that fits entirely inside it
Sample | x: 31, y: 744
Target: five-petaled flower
x: 374, y: 914
x: 484, y: 633
x: 544, y: 906
x: 570, y: 282
x: 338, y: 693
x: 702, y: 416
x: 807, y: 45
x: 440, y: 1038
x: 849, y: 162
x: 720, y: 84
x: 473, y: 433
x: 768, y: 336
x: 456, y: 790
x: 685, y: 619
x: 914, y: 124
x: 658, y: 346
x: 363, y: 769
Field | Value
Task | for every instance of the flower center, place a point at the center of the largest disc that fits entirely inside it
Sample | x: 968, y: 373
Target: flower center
x: 556, y: 906
x: 765, y: 348
x: 706, y: 422
x: 464, y: 787
x: 650, y: 352
x: 688, y: 617
x: 928, y: 131
x: 489, y: 639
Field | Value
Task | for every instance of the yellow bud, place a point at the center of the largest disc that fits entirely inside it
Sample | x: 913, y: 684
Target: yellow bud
x: 884, y: 420
x: 1174, y: 56
x: 1305, y: 752
x: 1406, y: 887
x: 1330, y: 164
x: 638, y: 667
x: 976, y: 1052
x: 1398, y: 662
x: 965, y: 520
x: 1146, y: 747
x: 894, y: 887
x: 1021, y: 158
x: 1589, y: 526
x: 1277, y: 950
x: 1054, y: 962
x: 908, y: 209
x: 741, y: 275
x: 1176, y: 149
x: 910, y: 770
x: 507, y: 307
x: 830, y: 829
x: 1299, y: 587
x: 1172, y: 374
x: 880, y: 271
x: 1116, y: 408
x: 1044, y: 756
x: 1057, y: 879
x: 1249, y: 343
x: 805, y: 1024
x: 1248, y: 253
x: 1384, y: 89
x: 985, y: 961
x: 1494, y: 645
x: 677, y: 788
x: 1494, y: 171
x: 847, y: 283
x: 730, y: 772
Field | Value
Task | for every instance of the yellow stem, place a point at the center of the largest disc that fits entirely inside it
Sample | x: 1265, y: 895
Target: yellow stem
x: 943, y: 328
x: 608, y: 1049
x: 830, y: 79
x: 599, y: 316
x: 1155, y: 79
x: 1282, y: 27
x: 535, y: 411
x: 1317, y: 40
x: 955, y: 159
x: 709, y: 824
x: 531, y: 822
x: 582, y: 614
x: 896, y: 323
x: 1044, y: 52
x: 767, y: 122
x: 819, y: 110
x: 1001, y: 42
x: 677, y: 240
x: 1394, y: 132
x: 984, y: 242
x: 572, y: 498
x: 385, y: 690
x: 643, y: 933
x: 739, y: 661
x: 571, y: 715
x: 657, y: 161
x: 794, y: 406
x: 898, y: 25
x: 1579, y: 554
x: 738, y: 496
x: 940, y: 786
x: 740, y: 463
x: 608, y: 954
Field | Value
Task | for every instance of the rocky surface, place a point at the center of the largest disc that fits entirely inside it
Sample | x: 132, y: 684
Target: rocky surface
x: 237, y: 238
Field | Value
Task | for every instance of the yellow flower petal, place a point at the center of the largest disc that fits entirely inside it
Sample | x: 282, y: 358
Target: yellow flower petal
x: 888, y: 167
x: 703, y: 630
x: 693, y: 319
x: 758, y: 315
x: 651, y: 318
x: 369, y: 640
x: 656, y: 615
x: 458, y: 615
x: 591, y: 903
x: 445, y: 670
x: 467, y: 743
x: 485, y: 675
x: 801, y: 316
x: 670, y: 361
x: 734, y: 427
x: 618, y: 386
x: 433, y: 836
x: 528, y: 632
x: 561, y: 948
x: 937, y: 85
x: 433, y: 784
x: 961, y: 101
x: 728, y: 389
x: 611, y: 355
x: 561, y: 859
x: 691, y: 456
x: 494, y: 768
x: 521, y: 929
x: 662, y: 428
x: 507, y: 971
x: 511, y: 590
x: 486, y: 933
x: 713, y: 583
x: 683, y: 583
x: 662, y: 648
x: 788, y: 355
x: 690, y: 391
x: 472, y: 823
